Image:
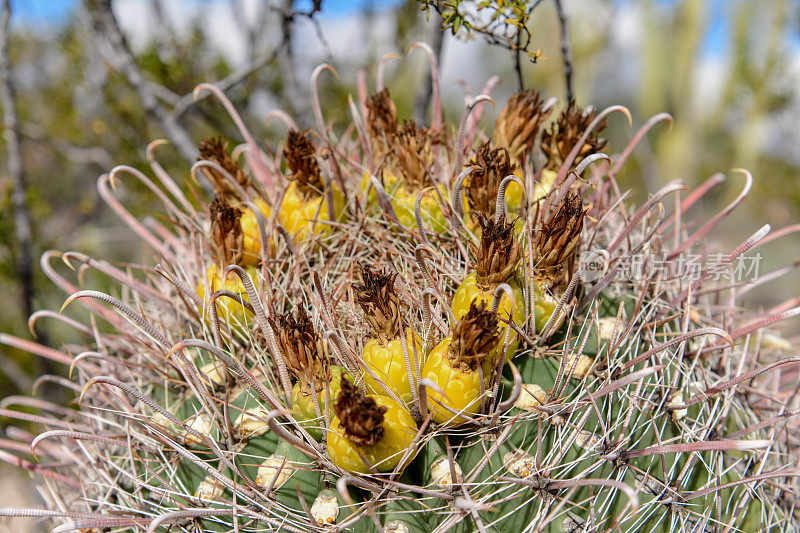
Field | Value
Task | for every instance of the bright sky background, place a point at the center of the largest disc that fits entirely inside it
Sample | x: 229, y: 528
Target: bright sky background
x: 56, y: 10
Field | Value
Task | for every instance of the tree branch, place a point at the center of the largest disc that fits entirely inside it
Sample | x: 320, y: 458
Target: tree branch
x: 286, y: 60
x: 106, y: 30
x: 187, y: 101
x: 566, y: 54
x: 424, y: 97
x: 22, y: 219
x: 518, y: 62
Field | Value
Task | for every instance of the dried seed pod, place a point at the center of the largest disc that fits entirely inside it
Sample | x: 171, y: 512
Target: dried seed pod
x: 474, y: 339
x: 227, y: 238
x: 360, y: 415
x: 559, y: 140
x: 215, y: 150
x: 302, y: 348
x: 412, y: 155
x: 381, y: 122
x: 368, y: 432
x: 518, y: 123
x: 378, y: 299
x: 483, y: 184
x: 496, y: 257
x: 302, y: 162
x: 558, y: 237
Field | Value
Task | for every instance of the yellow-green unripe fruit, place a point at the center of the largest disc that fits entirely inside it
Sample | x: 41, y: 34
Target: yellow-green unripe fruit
x: 459, y: 362
x: 462, y: 389
x: 470, y: 292
x: 228, y: 309
x: 303, y: 408
x: 387, y: 361
x: 389, y: 431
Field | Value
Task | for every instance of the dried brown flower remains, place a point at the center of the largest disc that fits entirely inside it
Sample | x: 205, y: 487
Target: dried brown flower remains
x: 381, y: 122
x: 302, y: 348
x: 474, y: 337
x: 214, y: 150
x: 301, y: 160
x: 519, y: 122
x: 379, y: 301
x: 561, y: 138
x: 413, y: 155
x: 359, y: 415
x: 558, y: 237
x: 496, y: 258
x: 484, y: 182
x: 227, y: 238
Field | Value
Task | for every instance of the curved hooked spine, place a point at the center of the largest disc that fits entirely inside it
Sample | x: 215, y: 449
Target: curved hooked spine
x: 562, y: 172
x: 255, y: 156
x: 436, y: 122
x: 462, y: 127
x: 501, y: 207
x: 165, y: 179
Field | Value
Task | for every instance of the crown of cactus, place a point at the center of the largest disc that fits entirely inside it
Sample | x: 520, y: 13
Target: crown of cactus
x: 304, y: 355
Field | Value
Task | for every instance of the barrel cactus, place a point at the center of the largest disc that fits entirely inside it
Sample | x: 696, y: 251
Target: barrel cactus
x: 401, y: 353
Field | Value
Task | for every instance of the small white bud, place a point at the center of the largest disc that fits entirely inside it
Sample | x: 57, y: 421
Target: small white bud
x: 530, y: 396
x: 251, y: 423
x: 587, y: 440
x: 209, y: 489
x: 608, y: 327
x: 202, y: 425
x: 581, y: 368
x: 675, y: 400
x: 699, y: 342
x: 325, y: 508
x: 274, y: 465
x: 440, y: 472
x: 161, y: 420
x: 519, y: 463
x: 396, y: 526
x: 215, y: 372
x: 773, y: 340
